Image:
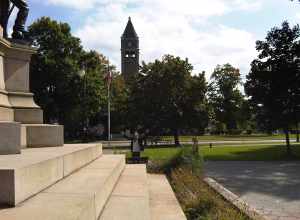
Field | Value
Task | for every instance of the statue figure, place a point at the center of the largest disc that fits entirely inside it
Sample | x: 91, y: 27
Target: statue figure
x: 138, y: 141
x: 19, y: 26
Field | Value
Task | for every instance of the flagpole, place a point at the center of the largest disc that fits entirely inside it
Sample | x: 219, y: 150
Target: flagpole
x: 108, y: 106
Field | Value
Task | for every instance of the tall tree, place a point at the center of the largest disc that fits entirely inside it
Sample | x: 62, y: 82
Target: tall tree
x: 166, y: 97
x: 55, y: 75
x: 225, y: 96
x: 120, y: 92
x: 274, y: 79
x: 93, y: 96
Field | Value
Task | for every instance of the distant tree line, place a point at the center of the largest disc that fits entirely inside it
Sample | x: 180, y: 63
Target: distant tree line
x: 165, y: 98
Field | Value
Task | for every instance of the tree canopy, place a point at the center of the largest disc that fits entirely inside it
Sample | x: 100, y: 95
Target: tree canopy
x: 66, y: 96
x: 165, y: 97
x: 225, y: 97
x: 274, y: 79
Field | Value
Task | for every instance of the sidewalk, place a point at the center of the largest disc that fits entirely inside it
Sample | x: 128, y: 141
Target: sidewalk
x: 126, y: 144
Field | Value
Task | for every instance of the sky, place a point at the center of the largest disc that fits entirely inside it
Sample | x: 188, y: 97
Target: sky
x: 207, y: 32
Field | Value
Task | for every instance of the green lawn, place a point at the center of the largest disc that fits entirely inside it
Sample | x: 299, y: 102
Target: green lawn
x: 249, y: 152
x: 256, y: 153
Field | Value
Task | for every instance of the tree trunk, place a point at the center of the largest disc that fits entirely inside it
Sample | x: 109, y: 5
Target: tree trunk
x: 288, y: 144
x: 297, y: 132
x: 176, y: 138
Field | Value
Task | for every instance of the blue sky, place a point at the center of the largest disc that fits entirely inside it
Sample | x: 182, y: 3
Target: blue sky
x: 208, y: 32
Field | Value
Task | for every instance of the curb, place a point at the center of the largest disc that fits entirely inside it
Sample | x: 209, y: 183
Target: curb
x: 235, y: 200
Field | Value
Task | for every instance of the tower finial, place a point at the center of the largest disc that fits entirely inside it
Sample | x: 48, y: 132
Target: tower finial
x: 129, y: 31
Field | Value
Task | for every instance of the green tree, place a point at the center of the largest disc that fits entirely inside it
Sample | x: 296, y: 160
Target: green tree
x: 93, y: 96
x: 274, y: 79
x: 166, y: 97
x: 120, y: 92
x: 65, y: 96
x: 225, y: 96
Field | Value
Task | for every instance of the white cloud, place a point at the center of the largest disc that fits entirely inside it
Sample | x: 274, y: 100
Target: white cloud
x: 247, y: 5
x: 190, y: 6
x: 77, y: 4
x: 176, y: 27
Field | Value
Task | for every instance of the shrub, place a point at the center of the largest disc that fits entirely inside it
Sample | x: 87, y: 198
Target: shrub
x: 235, y: 132
x: 198, y: 200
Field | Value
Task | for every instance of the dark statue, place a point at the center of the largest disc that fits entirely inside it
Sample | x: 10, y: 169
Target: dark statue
x: 6, y: 7
x: 137, y: 139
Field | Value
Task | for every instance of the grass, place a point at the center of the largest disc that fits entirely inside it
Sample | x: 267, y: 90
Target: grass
x: 251, y: 153
x: 223, y: 153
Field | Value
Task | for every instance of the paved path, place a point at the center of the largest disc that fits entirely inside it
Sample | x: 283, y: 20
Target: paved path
x: 273, y: 188
x: 229, y: 142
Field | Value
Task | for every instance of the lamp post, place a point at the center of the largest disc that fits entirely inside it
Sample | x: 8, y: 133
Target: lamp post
x: 109, y: 78
x: 82, y: 74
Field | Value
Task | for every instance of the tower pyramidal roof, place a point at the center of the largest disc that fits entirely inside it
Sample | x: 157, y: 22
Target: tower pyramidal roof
x: 129, y: 30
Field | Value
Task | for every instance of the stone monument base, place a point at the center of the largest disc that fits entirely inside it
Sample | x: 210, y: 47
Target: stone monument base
x: 25, y: 109
x: 10, y: 138
x: 42, y: 135
x: 23, y: 117
x: 29, y: 116
x: 6, y: 111
x: 6, y: 114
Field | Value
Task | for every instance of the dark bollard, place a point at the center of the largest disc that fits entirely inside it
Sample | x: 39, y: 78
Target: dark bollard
x: 195, y: 146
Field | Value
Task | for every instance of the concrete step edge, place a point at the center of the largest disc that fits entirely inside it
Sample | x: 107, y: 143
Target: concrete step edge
x: 33, y: 170
x: 81, y: 195
x: 130, y: 197
x: 163, y: 202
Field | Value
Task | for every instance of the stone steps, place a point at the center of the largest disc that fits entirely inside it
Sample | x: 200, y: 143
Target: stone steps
x: 82, y: 195
x: 163, y: 202
x: 97, y: 180
x: 139, y: 196
x: 30, y: 172
x: 83, y: 188
x: 130, y: 198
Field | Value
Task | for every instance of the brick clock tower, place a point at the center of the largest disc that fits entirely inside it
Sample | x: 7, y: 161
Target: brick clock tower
x: 130, y: 51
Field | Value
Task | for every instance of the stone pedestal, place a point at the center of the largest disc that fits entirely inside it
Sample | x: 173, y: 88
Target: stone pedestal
x: 15, y: 62
x: 10, y: 138
x: 6, y: 111
x: 22, y: 119
x: 41, y: 135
